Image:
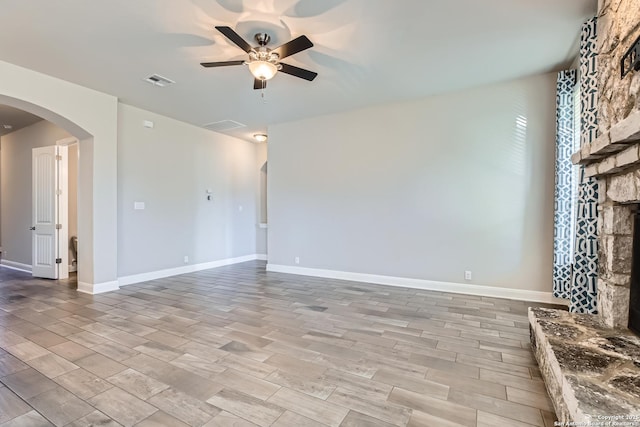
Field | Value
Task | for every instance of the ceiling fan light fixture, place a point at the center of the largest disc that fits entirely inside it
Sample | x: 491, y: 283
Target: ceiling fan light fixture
x: 260, y: 137
x: 263, y: 70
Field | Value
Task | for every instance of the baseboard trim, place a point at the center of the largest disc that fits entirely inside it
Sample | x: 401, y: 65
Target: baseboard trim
x: 72, y: 268
x: 98, y: 288
x: 161, y: 274
x: 261, y: 257
x: 430, y: 285
x: 25, y: 268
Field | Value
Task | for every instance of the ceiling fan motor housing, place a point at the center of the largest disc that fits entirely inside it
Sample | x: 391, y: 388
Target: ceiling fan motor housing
x: 262, y: 38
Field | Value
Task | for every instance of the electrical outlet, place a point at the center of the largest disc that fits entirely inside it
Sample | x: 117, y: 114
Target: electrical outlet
x: 467, y: 275
x: 297, y: 260
x: 186, y: 259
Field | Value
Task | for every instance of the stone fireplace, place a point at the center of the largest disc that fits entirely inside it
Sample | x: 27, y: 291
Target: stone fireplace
x: 614, y: 158
x: 591, y: 363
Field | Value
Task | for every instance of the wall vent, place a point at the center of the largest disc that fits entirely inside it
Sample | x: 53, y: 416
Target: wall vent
x: 224, y: 125
x: 158, y: 80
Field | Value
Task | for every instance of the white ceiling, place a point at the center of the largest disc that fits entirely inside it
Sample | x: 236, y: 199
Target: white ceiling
x: 366, y: 51
x: 15, y: 118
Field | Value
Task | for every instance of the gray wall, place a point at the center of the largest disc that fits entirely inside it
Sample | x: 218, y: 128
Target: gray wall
x: 424, y: 189
x: 15, y: 191
x: 169, y: 168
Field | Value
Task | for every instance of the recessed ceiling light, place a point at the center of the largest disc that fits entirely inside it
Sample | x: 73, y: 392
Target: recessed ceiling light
x: 260, y: 137
x: 7, y: 126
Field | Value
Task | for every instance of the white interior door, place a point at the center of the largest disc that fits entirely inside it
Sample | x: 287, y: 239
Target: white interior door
x: 46, y: 206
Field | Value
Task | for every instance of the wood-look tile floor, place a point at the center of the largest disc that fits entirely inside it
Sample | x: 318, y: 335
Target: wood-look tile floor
x: 237, y: 346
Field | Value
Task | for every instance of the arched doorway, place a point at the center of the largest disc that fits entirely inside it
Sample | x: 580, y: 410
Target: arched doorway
x: 91, y: 117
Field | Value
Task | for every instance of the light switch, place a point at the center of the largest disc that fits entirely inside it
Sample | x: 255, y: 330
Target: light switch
x: 138, y: 206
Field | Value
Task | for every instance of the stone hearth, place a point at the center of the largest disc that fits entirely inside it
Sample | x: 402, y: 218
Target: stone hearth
x: 592, y: 372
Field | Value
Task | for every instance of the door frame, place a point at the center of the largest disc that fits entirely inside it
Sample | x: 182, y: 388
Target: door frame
x: 64, y: 236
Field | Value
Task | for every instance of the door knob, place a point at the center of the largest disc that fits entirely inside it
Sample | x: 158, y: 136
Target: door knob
x: 32, y: 228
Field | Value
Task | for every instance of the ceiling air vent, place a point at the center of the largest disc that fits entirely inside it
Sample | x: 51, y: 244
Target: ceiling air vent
x: 158, y: 80
x: 224, y: 125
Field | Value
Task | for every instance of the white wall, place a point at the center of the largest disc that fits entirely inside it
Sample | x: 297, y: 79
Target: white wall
x: 15, y: 191
x: 424, y: 189
x: 170, y: 168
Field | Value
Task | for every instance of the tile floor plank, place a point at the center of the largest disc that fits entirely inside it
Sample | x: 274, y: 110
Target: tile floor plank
x: 121, y: 406
x: 30, y: 419
x: 500, y: 407
x: 137, y: 383
x: 187, y: 409
x: 83, y: 383
x: 226, y: 419
x: 95, y: 418
x: 310, y: 407
x: 447, y: 410
x: 60, y: 406
x: 356, y: 419
x: 11, y: 406
x: 291, y: 419
x: 255, y: 410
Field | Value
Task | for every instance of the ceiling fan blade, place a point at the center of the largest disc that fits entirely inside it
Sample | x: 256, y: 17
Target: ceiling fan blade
x: 259, y: 84
x: 221, y: 64
x: 294, y: 46
x: 298, y: 72
x: 235, y: 37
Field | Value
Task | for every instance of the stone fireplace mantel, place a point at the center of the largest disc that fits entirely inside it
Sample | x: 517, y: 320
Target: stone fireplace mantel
x: 614, y: 151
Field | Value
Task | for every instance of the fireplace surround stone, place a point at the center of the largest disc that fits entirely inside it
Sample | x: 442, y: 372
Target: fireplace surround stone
x: 616, y: 164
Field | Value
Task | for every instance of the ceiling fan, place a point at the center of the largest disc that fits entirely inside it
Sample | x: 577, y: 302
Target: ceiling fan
x: 264, y: 62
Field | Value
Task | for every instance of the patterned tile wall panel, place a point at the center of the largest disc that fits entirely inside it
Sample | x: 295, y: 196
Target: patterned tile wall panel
x: 585, y: 270
x: 564, y: 203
